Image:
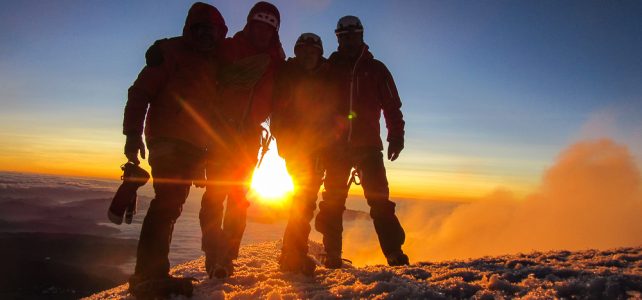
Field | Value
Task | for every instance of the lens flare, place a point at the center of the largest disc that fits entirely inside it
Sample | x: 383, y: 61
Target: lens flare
x: 271, y: 182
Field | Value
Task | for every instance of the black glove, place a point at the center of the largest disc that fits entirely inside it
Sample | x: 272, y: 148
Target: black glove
x: 133, y: 145
x: 394, y: 148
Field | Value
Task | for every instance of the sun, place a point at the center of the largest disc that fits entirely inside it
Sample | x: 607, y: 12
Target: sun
x: 271, y: 182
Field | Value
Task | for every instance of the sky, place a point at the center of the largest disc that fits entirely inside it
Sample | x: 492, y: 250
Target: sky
x: 492, y: 91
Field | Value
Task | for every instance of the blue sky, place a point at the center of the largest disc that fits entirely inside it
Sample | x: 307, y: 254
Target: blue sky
x: 492, y: 90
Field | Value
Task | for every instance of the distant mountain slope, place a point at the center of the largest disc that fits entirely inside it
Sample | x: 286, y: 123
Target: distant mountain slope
x: 594, y: 274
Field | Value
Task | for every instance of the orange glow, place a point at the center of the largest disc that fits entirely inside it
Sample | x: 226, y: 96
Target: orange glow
x: 271, y: 182
x: 73, y: 152
x: 98, y: 153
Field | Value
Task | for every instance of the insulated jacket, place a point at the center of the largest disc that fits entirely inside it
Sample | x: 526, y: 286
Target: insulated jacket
x: 246, y: 87
x: 303, y: 121
x: 365, y: 88
x: 178, y: 85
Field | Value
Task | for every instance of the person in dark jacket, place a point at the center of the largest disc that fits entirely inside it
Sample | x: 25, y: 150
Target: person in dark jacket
x: 169, y: 102
x: 250, y: 60
x: 365, y: 88
x: 300, y: 122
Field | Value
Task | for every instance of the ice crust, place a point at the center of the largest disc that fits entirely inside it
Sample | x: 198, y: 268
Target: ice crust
x: 611, y: 274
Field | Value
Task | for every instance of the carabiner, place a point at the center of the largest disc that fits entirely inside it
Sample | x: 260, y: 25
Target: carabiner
x: 355, y: 178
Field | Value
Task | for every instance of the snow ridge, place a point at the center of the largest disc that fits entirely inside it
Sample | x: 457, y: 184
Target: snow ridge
x: 539, y: 275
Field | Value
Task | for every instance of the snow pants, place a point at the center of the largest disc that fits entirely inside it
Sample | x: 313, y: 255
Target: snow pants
x: 369, y: 164
x: 307, y: 173
x: 174, y: 165
x: 228, y: 178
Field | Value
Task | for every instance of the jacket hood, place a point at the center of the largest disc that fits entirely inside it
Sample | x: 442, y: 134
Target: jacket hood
x: 265, y: 12
x: 204, y: 14
x: 266, y: 7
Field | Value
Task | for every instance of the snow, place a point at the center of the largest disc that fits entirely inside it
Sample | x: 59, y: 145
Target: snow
x: 595, y: 274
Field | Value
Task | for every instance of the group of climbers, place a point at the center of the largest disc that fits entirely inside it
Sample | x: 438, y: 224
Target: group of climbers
x: 200, y: 102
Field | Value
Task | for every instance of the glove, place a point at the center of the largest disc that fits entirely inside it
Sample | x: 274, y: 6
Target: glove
x: 133, y: 145
x: 394, y: 148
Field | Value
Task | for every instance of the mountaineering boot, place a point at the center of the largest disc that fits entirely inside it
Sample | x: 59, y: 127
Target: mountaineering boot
x: 125, y: 199
x: 210, y: 264
x: 223, y: 268
x: 397, y: 258
x: 331, y: 261
x: 297, y: 263
x: 161, y: 287
x: 220, y: 272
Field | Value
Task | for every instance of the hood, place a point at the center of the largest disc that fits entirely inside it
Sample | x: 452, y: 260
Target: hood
x: 275, y: 50
x: 204, y: 13
x: 273, y: 17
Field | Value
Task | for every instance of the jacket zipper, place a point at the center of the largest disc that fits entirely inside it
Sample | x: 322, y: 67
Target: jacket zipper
x: 350, y: 114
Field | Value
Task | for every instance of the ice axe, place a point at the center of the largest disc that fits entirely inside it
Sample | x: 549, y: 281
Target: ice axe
x: 266, y: 138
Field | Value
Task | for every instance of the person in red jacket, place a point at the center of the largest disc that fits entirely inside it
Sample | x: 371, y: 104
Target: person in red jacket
x: 300, y: 122
x: 170, y: 101
x: 250, y: 61
x: 365, y: 88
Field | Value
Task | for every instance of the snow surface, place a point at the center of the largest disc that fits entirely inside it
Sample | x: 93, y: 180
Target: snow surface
x: 611, y: 274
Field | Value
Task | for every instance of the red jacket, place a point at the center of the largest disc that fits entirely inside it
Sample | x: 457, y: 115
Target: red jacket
x: 303, y: 117
x: 178, y: 85
x: 246, y: 87
x: 365, y: 89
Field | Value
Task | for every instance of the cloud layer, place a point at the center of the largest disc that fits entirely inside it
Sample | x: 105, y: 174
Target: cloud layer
x: 590, y: 198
